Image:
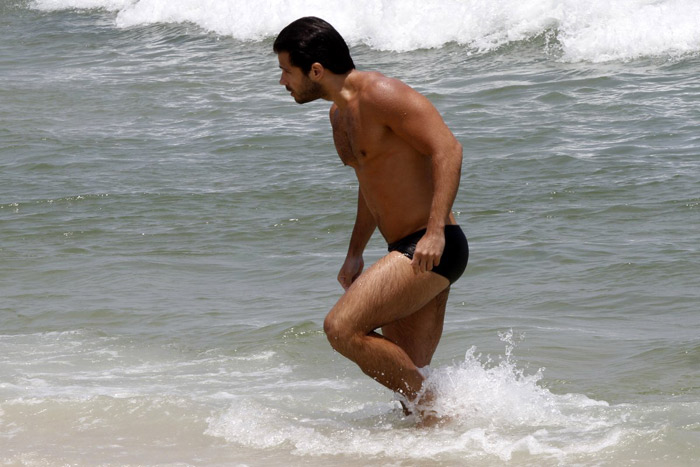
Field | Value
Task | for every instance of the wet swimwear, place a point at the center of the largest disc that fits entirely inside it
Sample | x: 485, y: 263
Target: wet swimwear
x: 454, y: 258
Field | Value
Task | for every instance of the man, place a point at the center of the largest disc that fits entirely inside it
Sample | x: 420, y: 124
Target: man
x: 408, y: 165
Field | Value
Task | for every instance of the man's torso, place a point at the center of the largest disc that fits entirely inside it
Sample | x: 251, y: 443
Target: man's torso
x: 395, y: 179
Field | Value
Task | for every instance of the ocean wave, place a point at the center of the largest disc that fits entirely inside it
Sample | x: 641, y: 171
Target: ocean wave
x: 597, y: 31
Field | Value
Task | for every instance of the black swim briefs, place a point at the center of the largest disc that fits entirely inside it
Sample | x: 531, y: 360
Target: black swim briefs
x: 454, y: 258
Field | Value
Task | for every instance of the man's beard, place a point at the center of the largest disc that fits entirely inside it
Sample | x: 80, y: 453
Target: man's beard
x: 309, y: 92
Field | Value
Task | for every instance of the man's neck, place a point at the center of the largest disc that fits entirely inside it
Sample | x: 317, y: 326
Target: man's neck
x: 341, y: 89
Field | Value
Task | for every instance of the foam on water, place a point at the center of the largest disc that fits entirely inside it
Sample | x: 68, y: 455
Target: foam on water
x: 494, y: 411
x: 81, y: 387
x: 597, y: 30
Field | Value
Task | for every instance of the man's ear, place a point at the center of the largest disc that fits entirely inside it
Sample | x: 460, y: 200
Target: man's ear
x: 316, y: 72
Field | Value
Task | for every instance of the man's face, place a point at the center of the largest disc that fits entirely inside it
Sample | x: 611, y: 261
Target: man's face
x: 302, y: 88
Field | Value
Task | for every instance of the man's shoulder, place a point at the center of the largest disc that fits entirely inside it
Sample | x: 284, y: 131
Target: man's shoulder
x: 381, y: 90
x: 374, y: 81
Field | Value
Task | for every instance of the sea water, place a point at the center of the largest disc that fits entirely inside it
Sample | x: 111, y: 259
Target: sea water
x: 171, y: 225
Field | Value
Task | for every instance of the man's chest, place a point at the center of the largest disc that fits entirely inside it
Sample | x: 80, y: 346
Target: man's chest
x: 356, y: 136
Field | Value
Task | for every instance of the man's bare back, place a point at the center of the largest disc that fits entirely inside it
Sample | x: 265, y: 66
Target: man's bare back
x: 408, y: 166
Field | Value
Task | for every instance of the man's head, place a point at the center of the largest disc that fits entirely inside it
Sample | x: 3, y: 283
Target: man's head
x: 312, y: 40
x: 306, y: 49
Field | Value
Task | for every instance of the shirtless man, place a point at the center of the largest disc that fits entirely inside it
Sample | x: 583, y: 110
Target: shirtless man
x: 408, y: 165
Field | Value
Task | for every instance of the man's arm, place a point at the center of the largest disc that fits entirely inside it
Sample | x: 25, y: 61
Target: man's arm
x: 361, y: 233
x: 447, y: 168
x: 415, y: 120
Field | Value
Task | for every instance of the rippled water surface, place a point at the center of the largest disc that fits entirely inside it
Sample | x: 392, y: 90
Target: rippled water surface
x: 172, y: 225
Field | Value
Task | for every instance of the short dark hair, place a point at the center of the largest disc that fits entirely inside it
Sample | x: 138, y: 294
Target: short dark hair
x: 309, y: 40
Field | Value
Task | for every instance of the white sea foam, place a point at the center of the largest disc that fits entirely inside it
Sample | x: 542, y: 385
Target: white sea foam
x: 596, y: 30
x: 495, y: 412
x: 111, y: 5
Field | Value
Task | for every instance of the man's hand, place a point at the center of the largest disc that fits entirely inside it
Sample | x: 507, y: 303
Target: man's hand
x: 352, y: 268
x: 428, y: 252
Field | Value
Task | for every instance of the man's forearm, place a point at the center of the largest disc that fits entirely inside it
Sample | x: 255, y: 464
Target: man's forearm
x: 363, y: 229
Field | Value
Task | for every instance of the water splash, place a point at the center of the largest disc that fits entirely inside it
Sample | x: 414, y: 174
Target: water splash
x: 494, y: 411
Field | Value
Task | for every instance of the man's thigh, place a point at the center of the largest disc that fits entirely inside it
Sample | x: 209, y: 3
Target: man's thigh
x: 389, y: 291
x: 418, y: 334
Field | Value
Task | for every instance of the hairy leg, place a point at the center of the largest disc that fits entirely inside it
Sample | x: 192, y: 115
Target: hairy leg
x: 419, y: 333
x: 387, y: 292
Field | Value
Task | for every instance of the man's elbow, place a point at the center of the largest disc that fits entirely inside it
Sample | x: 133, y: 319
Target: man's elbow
x: 449, y: 152
x: 457, y: 150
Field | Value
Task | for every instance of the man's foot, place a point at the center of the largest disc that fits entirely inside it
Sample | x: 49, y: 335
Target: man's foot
x: 430, y: 419
x: 423, y: 409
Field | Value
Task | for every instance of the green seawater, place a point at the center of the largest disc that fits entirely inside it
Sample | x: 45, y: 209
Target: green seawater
x: 172, y: 223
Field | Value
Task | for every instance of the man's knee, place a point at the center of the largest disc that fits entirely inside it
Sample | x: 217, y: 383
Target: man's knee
x: 330, y: 327
x: 339, y: 332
